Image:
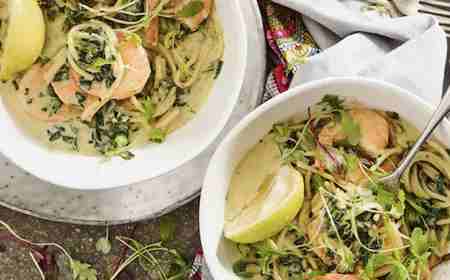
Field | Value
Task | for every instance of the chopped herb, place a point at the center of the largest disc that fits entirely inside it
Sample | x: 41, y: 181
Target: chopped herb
x: 121, y: 140
x: 148, y: 108
x: 440, y: 184
x: 80, y: 98
x: 73, y: 16
x: 110, y: 130
x: 351, y: 161
x: 53, y: 102
x: 85, y: 85
x: 43, y: 60
x: 107, y: 75
x: 191, y: 9
x: 419, y: 242
x: 333, y: 101
x: 59, y: 132
x: 62, y: 74
x: 157, y: 135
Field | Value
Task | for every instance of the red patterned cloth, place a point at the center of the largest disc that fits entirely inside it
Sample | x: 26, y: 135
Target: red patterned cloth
x: 289, y: 42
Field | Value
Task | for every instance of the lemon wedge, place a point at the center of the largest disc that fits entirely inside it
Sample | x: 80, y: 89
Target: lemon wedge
x: 260, y: 163
x: 276, y: 204
x: 24, y: 38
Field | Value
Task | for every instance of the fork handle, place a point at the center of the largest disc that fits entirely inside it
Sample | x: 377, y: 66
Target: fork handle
x: 438, y: 115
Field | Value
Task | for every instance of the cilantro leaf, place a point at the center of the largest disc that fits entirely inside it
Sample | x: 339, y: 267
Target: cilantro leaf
x: 333, y: 101
x: 398, y: 208
x: 194, y: 7
x: 351, y: 161
x: 103, y: 245
x: 350, y: 128
x: 419, y: 242
x: 83, y: 271
x: 157, y: 135
x: 398, y: 271
x: 149, y: 108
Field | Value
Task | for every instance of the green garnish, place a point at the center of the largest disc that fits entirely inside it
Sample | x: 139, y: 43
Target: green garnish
x: 157, y: 135
x: 350, y: 128
x: 191, y: 9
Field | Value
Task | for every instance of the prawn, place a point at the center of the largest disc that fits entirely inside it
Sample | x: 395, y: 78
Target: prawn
x: 337, y: 276
x: 152, y: 31
x: 374, y: 131
x: 137, y: 70
x: 136, y: 73
x: 35, y: 83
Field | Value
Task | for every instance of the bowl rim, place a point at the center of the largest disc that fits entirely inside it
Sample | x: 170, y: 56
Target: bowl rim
x: 36, y: 169
x: 214, y: 265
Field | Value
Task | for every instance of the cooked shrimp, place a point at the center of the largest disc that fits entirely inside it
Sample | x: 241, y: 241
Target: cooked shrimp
x: 337, y: 276
x: 66, y: 90
x: 152, y: 31
x: 137, y: 70
x: 91, y: 106
x: 330, y: 134
x: 34, y: 85
x: 374, y: 131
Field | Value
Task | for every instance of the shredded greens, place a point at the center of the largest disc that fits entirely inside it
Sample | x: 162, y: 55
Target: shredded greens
x: 130, y: 71
x: 350, y: 224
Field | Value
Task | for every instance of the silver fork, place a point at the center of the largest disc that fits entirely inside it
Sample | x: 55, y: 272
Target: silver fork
x: 442, y: 110
x: 440, y: 9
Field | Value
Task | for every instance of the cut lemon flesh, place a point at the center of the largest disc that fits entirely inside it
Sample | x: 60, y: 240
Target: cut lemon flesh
x: 24, y: 38
x: 275, y: 206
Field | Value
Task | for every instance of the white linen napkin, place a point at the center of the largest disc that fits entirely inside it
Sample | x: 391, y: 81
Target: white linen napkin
x: 407, y: 51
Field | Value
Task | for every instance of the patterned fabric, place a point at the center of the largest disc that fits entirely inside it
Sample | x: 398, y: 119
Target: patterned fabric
x: 290, y: 45
x: 196, y: 270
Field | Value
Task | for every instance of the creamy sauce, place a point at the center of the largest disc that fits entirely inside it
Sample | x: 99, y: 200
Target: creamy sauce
x: 197, y: 97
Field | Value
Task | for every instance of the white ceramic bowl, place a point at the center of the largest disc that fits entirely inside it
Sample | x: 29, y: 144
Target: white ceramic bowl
x: 375, y: 94
x: 88, y: 173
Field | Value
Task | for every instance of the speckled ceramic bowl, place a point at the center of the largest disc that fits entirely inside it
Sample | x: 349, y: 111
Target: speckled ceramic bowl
x: 220, y: 253
x: 152, y: 160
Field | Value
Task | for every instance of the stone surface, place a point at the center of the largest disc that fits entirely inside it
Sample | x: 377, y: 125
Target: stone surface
x: 16, y: 264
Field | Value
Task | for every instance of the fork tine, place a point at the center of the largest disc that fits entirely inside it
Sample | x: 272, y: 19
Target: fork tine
x: 436, y: 3
x: 435, y: 11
